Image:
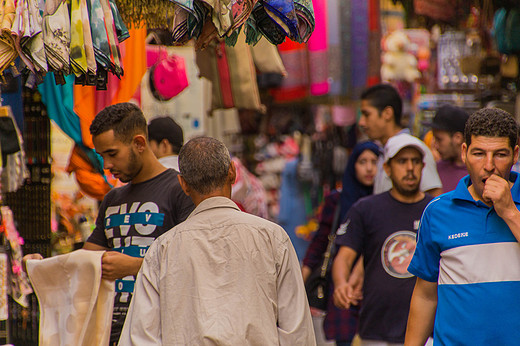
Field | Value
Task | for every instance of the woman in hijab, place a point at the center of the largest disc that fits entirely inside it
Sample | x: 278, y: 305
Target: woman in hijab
x: 357, y: 182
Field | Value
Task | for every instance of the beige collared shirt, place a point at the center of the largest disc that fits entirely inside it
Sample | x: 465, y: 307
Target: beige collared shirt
x: 222, y: 277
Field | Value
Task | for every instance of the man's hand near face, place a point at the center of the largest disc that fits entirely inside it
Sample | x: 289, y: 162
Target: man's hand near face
x: 497, y: 191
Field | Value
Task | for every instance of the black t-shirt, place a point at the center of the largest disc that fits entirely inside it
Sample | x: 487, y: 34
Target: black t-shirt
x: 130, y: 218
x: 384, y: 231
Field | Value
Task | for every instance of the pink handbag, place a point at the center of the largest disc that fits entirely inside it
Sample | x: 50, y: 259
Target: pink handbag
x: 168, y: 77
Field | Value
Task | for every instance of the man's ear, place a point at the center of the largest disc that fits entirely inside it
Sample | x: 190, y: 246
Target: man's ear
x: 458, y: 138
x: 139, y: 141
x: 386, y: 167
x: 515, y: 154
x: 463, y: 151
x: 388, y: 114
x: 232, y: 173
x: 184, y: 185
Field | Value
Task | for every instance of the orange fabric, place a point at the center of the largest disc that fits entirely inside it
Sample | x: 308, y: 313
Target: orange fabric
x: 133, y: 51
x: 88, y: 101
x: 90, y: 182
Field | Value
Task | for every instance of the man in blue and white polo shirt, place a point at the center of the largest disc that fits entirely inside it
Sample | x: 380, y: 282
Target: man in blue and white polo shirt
x: 467, y: 259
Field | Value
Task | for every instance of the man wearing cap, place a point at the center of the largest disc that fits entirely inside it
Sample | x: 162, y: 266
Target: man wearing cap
x: 381, y: 110
x: 448, y: 133
x: 382, y: 228
x: 467, y: 260
x: 166, y: 139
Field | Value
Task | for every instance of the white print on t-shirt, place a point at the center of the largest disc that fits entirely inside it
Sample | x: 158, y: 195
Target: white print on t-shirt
x: 397, y: 253
x: 147, y: 210
x: 343, y: 228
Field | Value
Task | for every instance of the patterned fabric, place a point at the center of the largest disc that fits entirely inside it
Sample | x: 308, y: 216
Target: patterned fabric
x: 99, y: 34
x: 78, y: 57
x: 283, y: 13
x: 87, y: 38
x: 56, y: 35
x: 249, y: 192
x: 305, y: 14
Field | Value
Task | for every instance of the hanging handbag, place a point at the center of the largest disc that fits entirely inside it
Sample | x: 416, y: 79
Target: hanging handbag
x: 317, y: 284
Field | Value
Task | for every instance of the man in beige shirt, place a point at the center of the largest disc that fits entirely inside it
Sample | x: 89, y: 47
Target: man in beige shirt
x: 221, y: 277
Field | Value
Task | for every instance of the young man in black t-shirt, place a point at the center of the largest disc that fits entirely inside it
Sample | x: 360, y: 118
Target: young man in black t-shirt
x: 382, y: 228
x: 131, y: 217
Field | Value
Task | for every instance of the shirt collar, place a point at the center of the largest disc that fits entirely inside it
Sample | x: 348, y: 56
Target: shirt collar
x: 461, y: 191
x: 214, y: 202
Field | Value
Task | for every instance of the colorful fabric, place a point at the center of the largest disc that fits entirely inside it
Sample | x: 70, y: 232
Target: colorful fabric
x: 306, y: 22
x: 283, y: 13
x: 56, y: 35
x: 318, y: 51
x: 78, y: 57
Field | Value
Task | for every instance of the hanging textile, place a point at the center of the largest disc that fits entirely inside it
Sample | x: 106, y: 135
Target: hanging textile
x: 56, y: 37
x: 318, y: 49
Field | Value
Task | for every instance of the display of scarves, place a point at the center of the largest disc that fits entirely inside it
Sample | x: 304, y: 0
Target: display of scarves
x: 56, y: 35
x: 113, y: 42
x: 78, y: 55
x: 8, y: 51
x: 99, y: 34
x: 282, y: 12
x: 318, y: 45
x: 33, y: 45
x: 87, y: 39
x: 306, y: 21
x: 274, y: 19
x: 22, y: 30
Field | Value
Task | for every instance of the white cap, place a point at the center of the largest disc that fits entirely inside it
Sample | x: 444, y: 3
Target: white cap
x: 396, y: 143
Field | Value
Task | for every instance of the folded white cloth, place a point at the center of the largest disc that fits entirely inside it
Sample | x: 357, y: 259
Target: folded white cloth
x: 75, y: 303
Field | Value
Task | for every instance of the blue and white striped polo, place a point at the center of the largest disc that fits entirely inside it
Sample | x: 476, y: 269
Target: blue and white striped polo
x: 466, y: 248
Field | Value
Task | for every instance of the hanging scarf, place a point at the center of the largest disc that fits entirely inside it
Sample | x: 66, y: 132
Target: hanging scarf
x: 56, y: 35
x: 318, y: 49
x: 113, y: 43
x: 78, y: 55
x: 87, y: 39
x: 8, y: 51
x: 33, y: 46
x: 99, y: 34
x: 282, y: 12
x: 352, y: 189
x: 306, y: 22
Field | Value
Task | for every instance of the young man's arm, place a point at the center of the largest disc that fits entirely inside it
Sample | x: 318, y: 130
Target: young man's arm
x: 344, y: 294
x: 115, y: 264
x: 422, y: 313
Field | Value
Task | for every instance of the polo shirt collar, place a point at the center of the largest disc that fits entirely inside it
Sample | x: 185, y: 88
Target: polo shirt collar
x: 461, y: 191
x: 214, y: 202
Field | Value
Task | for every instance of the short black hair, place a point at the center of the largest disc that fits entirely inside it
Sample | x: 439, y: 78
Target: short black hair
x: 491, y: 122
x: 126, y: 119
x: 384, y: 95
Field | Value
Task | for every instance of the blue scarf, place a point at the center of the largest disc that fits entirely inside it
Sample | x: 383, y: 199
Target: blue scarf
x: 352, y: 189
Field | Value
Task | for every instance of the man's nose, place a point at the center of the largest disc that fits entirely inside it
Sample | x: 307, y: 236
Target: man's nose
x: 362, y: 121
x: 489, y: 165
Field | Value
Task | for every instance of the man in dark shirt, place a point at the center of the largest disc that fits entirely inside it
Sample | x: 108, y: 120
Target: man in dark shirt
x: 382, y: 228
x: 132, y: 216
x: 448, y: 133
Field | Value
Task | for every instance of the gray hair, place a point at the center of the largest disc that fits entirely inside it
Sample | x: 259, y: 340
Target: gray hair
x: 204, y: 164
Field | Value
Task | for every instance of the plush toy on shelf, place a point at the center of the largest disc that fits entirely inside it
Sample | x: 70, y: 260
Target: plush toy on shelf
x: 398, y: 64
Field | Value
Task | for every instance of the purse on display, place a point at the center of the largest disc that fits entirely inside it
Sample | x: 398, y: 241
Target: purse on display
x: 317, y: 284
